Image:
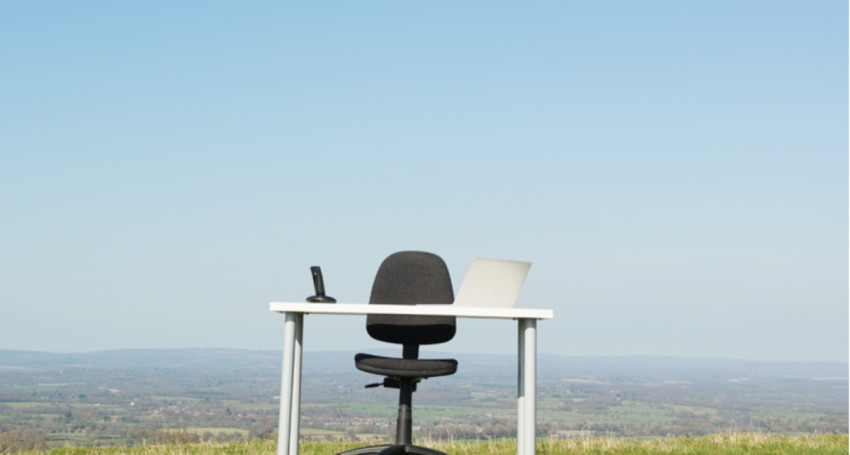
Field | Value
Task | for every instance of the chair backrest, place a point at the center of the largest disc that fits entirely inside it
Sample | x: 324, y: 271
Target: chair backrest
x: 411, y: 278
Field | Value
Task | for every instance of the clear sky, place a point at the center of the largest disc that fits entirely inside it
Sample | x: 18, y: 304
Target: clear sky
x: 676, y: 171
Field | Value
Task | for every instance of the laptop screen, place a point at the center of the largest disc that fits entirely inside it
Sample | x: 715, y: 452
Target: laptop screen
x: 492, y: 283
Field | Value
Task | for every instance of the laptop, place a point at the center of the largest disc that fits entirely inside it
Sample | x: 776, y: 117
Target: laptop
x: 492, y: 283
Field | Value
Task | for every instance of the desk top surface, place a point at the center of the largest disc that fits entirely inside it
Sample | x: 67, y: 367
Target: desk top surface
x: 419, y: 310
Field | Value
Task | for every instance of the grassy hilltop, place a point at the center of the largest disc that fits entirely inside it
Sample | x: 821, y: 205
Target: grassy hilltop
x: 723, y: 444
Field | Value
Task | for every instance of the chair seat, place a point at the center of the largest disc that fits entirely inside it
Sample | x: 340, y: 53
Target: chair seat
x: 405, y: 368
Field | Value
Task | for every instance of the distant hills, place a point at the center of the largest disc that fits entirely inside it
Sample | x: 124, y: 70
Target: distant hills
x: 202, y: 359
x: 606, y: 369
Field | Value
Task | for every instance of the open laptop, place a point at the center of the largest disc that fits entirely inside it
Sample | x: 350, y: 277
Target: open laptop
x: 492, y: 283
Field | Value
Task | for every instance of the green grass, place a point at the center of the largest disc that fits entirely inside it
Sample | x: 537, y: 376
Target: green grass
x: 696, y: 410
x: 25, y: 404
x: 216, y: 430
x: 723, y: 444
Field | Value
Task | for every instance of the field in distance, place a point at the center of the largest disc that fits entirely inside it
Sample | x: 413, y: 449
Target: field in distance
x: 135, y: 397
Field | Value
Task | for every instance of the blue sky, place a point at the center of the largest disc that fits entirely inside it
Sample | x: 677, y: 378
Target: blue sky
x: 676, y: 171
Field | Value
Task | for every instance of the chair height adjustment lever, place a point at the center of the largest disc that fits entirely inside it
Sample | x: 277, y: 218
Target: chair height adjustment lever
x: 392, y: 383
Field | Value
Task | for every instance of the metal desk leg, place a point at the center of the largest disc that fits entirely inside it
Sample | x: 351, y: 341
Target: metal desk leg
x: 527, y: 387
x: 285, y: 422
x: 295, y: 417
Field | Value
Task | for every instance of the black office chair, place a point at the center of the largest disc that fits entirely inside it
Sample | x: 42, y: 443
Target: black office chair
x: 409, y: 278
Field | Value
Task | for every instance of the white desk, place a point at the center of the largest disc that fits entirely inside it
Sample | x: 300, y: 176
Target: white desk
x: 290, y: 387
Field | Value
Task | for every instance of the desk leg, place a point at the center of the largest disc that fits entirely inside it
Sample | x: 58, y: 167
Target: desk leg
x: 527, y: 387
x: 285, y: 423
x: 295, y: 417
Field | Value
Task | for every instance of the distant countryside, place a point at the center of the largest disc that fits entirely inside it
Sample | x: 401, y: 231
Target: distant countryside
x: 133, y: 398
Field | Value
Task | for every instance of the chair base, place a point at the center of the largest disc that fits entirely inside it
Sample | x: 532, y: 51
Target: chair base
x: 393, y: 449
